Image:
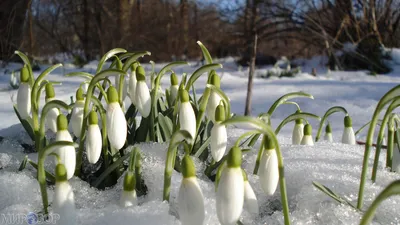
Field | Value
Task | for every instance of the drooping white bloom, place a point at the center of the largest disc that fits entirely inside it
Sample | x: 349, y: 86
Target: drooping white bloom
x: 190, y: 197
x: 187, y: 118
x: 116, y: 122
x: 51, y: 118
x: 63, y: 199
x: 93, y: 139
x: 214, y: 99
x: 174, y: 87
x: 328, y: 133
x: 132, y: 86
x: 219, y: 137
x: 128, y: 196
x: 250, y: 199
x: 77, y: 117
x: 348, y: 133
x: 307, y: 138
x: 24, y: 100
x: 230, y: 192
x: 142, y: 97
x: 66, y: 154
x: 269, y: 170
x: 297, y: 134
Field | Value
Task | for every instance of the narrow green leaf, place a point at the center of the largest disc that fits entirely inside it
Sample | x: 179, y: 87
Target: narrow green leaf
x: 134, y: 58
x: 108, y: 55
x: 200, y: 71
x: 329, y: 112
x: 109, y: 170
x: 286, y: 97
x: 165, y: 126
x: 206, y: 54
x: 23, y: 163
x: 295, y: 116
x: 26, y: 124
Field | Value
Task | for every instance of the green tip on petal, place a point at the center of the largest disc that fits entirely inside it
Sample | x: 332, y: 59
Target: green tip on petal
x: 79, y: 94
x: 215, y: 80
x: 347, y: 121
x: 140, y: 74
x: 220, y: 113
x: 183, y: 95
x: 174, y: 79
x: 61, y: 173
x: 119, y: 64
x: 245, y: 178
x: 268, y: 143
x: 307, y: 129
x: 49, y: 91
x: 93, y: 119
x: 24, y: 75
x: 299, y: 121
x: 62, y: 122
x: 187, y: 165
x: 134, y: 66
x: 129, y: 181
x: 112, y: 94
x: 234, y: 159
x: 328, y: 128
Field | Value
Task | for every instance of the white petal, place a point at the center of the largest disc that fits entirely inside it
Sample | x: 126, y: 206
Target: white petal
x: 67, y: 154
x: 77, y: 118
x: 396, y: 159
x: 328, y: 137
x: 93, y: 143
x: 230, y: 196
x: 250, y: 198
x: 174, y: 92
x: 24, y: 100
x: 212, y: 104
x: 51, y: 119
x: 348, y: 136
x: 132, y: 87
x: 143, y: 99
x: 116, y: 126
x: 218, y: 141
x: 128, y: 198
x: 64, y: 204
x: 187, y: 119
x: 307, y: 140
x: 190, y: 202
x: 269, y: 172
x: 85, y: 87
x: 297, y: 134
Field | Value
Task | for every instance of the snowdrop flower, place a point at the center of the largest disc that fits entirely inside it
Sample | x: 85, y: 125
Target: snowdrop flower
x: 85, y: 86
x: 67, y: 153
x: 328, y: 133
x: 174, y: 87
x: 230, y: 192
x: 132, y: 85
x: 51, y: 117
x: 190, y: 198
x: 250, y: 198
x: 24, y: 95
x: 348, y: 133
x: 93, y: 139
x: 297, y: 133
x: 268, y: 170
x: 219, y: 137
x: 396, y: 156
x: 142, y: 94
x: 116, y: 122
x: 187, y: 118
x: 63, y: 199
x: 307, y: 138
x: 77, y: 113
x: 214, y: 98
x: 128, y: 195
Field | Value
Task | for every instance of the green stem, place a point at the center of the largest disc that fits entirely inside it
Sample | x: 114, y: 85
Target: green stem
x: 390, y: 190
x: 42, y: 183
x: 390, y: 145
x: 326, y: 115
x: 259, y: 154
x: 295, y: 116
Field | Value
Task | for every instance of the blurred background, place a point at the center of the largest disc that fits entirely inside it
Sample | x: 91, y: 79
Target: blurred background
x: 267, y: 29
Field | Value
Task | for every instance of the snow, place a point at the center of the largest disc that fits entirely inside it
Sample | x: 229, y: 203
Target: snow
x: 336, y: 165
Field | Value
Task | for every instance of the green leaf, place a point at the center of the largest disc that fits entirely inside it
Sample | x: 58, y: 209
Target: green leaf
x: 327, y: 114
x: 23, y: 163
x: 49, y: 175
x: 85, y: 75
x: 133, y: 59
x: 286, y: 97
x: 141, y: 132
x: 295, y: 116
x: 332, y: 194
x: 26, y: 124
x: 108, y: 55
x: 165, y: 126
x: 200, y: 71
x: 203, y: 147
x: 206, y: 54
x: 109, y: 170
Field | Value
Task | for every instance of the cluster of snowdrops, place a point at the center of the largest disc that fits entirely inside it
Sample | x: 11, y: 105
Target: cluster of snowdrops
x: 194, y: 127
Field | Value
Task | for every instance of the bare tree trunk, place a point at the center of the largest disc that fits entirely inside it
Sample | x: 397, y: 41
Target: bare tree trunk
x: 185, y: 26
x: 374, y: 26
x: 247, y: 110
